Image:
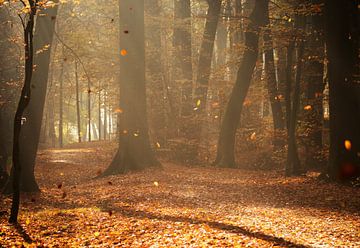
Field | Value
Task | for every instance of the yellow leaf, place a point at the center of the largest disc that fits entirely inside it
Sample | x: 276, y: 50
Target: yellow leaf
x: 156, y: 184
x: 308, y: 107
x: 27, y: 222
x: 118, y: 110
x: 158, y: 144
x: 96, y: 234
x: 123, y: 52
x: 347, y: 145
x: 198, y: 102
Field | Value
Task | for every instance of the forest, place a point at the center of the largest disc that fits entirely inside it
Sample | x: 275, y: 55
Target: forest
x: 179, y: 123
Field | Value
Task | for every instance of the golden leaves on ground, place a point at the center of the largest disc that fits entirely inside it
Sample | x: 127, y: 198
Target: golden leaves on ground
x: 178, y: 207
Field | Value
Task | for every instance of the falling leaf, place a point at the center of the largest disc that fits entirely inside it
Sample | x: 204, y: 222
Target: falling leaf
x: 156, y: 184
x: 158, y: 145
x: 61, y: 174
x: 347, y: 145
x: 253, y: 136
x: 136, y: 134
x: 308, y: 107
x: 27, y: 222
x: 118, y: 110
x: 198, y: 102
x: 123, y: 52
x: 96, y: 234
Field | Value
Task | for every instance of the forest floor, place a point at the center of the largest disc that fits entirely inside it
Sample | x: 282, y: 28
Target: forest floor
x: 177, y: 206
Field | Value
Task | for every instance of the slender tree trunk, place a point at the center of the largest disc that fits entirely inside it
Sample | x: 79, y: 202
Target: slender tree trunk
x: 99, y: 111
x: 61, y: 106
x: 293, y: 162
x: 274, y: 95
x: 89, y: 110
x: 225, y: 150
x: 206, y: 53
x: 77, y: 103
x: 342, y: 30
x: 23, y: 103
x: 134, y: 152
x: 183, y: 56
x: 105, y: 115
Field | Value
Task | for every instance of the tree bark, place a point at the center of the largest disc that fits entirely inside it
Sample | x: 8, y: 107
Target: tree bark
x: 342, y: 29
x: 134, y: 152
x: 225, y: 150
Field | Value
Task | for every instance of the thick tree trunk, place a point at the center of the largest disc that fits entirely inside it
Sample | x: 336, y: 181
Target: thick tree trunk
x: 155, y: 75
x: 274, y: 95
x: 225, y: 151
x: 342, y: 31
x: 134, y: 151
x: 315, y: 86
x: 30, y: 134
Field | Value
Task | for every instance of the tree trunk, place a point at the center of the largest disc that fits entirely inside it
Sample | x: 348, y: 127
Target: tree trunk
x: 23, y: 104
x: 99, y: 112
x: 293, y: 162
x: 134, y: 152
x: 225, y: 150
x: 183, y: 54
x: 342, y: 31
x: 314, y: 94
x: 155, y: 73
x: 30, y: 134
x: 206, y: 53
x: 274, y: 95
x: 78, y: 114
x: 61, y: 107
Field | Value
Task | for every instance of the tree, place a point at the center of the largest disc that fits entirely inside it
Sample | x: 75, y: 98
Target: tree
x: 274, y: 95
x: 206, y: 54
x: 342, y: 42
x: 293, y: 103
x: 155, y: 75
x: 225, y: 149
x: 183, y: 55
x: 30, y: 134
x: 134, y: 152
x: 23, y: 103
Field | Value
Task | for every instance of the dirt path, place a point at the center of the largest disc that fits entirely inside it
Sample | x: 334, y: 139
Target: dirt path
x: 179, y: 206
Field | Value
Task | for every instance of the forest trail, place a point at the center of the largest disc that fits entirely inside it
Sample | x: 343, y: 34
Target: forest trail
x: 178, y: 206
